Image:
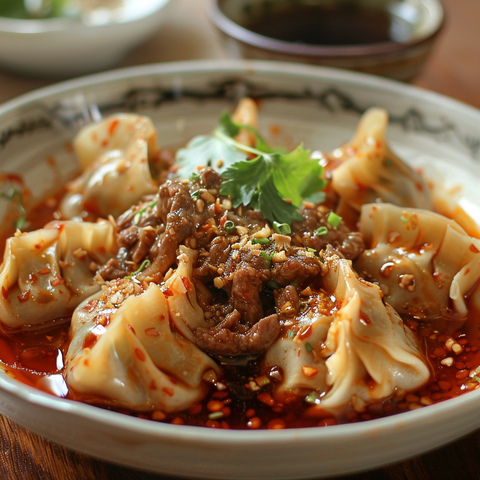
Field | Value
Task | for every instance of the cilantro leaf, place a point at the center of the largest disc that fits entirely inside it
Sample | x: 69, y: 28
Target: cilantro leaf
x: 206, y: 151
x: 226, y: 123
x: 275, y: 182
x: 244, y: 180
x: 297, y: 176
x: 273, y: 207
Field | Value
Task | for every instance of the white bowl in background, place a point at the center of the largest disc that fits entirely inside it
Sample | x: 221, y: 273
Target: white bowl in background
x: 67, y: 47
x: 316, y: 105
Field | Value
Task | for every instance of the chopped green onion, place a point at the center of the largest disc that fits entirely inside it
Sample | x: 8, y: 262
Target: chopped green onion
x: 334, y: 219
x: 229, y: 226
x: 313, y: 397
x: 294, y: 283
x: 215, y: 415
x: 308, y: 347
x: 196, y: 194
x: 143, y: 266
x: 273, y: 285
x: 404, y: 219
x: 282, y: 228
x: 321, y: 231
x: 311, y: 250
x: 291, y: 334
x: 194, y: 177
x: 477, y: 378
x: 268, y: 258
x: 260, y: 241
x: 138, y: 215
x: 262, y: 381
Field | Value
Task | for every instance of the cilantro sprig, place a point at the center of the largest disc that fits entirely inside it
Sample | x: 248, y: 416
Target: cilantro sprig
x: 273, y: 181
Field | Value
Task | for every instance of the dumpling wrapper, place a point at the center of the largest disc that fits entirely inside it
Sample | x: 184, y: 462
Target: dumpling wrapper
x: 135, y: 361
x: 181, y: 295
x: 46, y: 273
x: 114, y: 156
x: 370, y: 171
x: 425, y: 263
x: 362, y: 351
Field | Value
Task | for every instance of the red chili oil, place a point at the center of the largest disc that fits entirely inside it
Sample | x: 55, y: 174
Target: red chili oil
x: 243, y: 398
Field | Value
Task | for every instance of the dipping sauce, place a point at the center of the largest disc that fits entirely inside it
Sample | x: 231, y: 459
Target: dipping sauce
x: 331, y: 25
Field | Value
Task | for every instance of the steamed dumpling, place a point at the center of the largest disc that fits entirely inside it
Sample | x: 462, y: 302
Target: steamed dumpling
x: 359, y: 351
x: 114, y: 156
x: 45, y: 274
x: 181, y: 295
x: 370, y: 171
x: 425, y: 263
x: 124, y: 353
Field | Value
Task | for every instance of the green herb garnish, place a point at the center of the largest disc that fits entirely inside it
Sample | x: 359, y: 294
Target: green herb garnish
x: 138, y: 215
x: 268, y: 258
x: 281, y: 228
x: 143, y: 266
x: 313, y: 397
x: 194, y: 177
x: 215, y: 415
x: 274, y: 182
x: 260, y: 241
x: 291, y: 334
x: 334, y: 219
x: 308, y: 347
x: 273, y: 285
x: 321, y: 231
x: 229, y: 226
x: 196, y: 194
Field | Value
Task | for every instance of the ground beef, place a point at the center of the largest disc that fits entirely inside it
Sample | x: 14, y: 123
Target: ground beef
x: 349, y: 244
x: 246, y: 287
x: 230, y: 337
x: 249, y: 277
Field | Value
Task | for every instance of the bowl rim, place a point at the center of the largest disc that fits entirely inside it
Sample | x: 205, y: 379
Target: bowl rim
x: 191, y: 434
x: 231, y: 29
x: 211, y: 436
x: 23, y: 26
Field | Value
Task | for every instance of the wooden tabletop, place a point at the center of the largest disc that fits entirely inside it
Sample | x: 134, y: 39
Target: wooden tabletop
x: 453, y: 70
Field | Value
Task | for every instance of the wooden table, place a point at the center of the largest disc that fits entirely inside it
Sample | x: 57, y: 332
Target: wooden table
x: 453, y: 69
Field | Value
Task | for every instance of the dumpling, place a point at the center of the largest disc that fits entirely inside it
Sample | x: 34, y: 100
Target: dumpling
x: 114, y: 156
x: 370, y: 171
x: 124, y: 353
x: 300, y: 356
x: 181, y: 295
x: 425, y: 263
x: 45, y: 274
x: 357, y: 351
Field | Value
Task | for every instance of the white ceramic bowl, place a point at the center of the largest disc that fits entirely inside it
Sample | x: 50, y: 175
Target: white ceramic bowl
x: 320, y: 107
x: 63, y: 47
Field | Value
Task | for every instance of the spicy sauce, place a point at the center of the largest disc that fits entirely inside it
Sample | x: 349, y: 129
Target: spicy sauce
x: 243, y: 398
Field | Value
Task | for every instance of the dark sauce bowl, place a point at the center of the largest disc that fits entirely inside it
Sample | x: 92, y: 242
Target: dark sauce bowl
x: 392, y: 38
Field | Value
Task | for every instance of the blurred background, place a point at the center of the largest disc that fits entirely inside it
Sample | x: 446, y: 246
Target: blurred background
x: 172, y: 30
